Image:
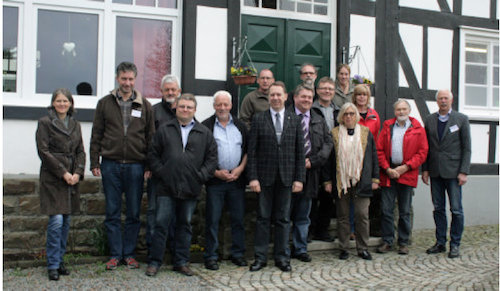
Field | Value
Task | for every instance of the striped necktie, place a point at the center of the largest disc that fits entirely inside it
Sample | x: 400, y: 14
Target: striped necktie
x: 307, y: 139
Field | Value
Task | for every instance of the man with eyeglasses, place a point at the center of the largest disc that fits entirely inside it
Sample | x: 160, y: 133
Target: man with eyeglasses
x: 183, y: 155
x: 323, y: 207
x: 257, y: 100
x: 308, y: 75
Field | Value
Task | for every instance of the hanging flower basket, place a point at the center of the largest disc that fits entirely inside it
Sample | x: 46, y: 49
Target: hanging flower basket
x: 244, y: 79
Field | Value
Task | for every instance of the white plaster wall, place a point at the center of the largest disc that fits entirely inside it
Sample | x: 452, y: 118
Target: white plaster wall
x: 211, y: 43
x: 479, y: 200
x: 479, y: 143
x: 477, y: 8
x: 439, y: 60
x: 421, y: 4
x: 412, y: 36
x: 205, y: 107
x: 363, y: 34
x: 402, y: 78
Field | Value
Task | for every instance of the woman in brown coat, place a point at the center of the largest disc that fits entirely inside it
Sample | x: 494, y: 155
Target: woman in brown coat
x: 60, y: 147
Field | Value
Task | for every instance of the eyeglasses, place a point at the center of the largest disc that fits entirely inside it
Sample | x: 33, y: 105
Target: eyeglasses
x: 185, y: 107
x: 349, y: 114
x: 326, y: 88
x: 308, y: 73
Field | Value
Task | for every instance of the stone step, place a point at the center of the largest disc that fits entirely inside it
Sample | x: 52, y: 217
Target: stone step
x: 317, y: 245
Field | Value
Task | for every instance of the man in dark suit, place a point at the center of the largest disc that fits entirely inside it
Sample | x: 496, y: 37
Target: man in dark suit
x: 276, y: 168
x: 448, y: 164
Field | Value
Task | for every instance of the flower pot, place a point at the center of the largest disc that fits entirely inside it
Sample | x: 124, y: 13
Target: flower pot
x: 244, y: 80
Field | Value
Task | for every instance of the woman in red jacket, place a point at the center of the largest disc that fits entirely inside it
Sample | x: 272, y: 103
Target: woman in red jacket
x: 402, y: 147
x: 369, y: 117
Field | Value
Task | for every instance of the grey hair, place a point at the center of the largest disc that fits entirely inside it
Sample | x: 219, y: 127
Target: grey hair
x: 170, y: 79
x: 401, y: 101
x: 447, y: 90
x: 308, y: 64
x: 303, y: 86
x: 342, y: 111
x: 223, y: 92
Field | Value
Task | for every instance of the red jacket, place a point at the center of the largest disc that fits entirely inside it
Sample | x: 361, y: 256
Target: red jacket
x: 372, y: 121
x: 415, y: 149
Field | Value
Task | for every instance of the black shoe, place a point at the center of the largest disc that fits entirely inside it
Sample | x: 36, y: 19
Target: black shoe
x: 257, y: 266
x: 454, y: 252
x: 324, y: 236
x: 53, y: 274
x: 151, y: 271
x: 62, y: 270
x: 240, y: 261
x: 284, y: 266
x: 437, y: 248
x: 211, y: 265
x: 304, y: 257
x: 365, y: 255
x: 185, y: 270
x: 344, y: 255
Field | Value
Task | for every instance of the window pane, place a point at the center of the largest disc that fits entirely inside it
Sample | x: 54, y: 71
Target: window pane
x: 123, y: 1
x: 321, y: 1
x: 475, y: 74
x: 148, y: 44
x: 321, y: 10
x: 10, y: 30
x: 269, y: 4
x: 304, y: 7
x: 66, y: 50
x: 495, y: 97
x: 167, y: 3
x: 476, y: 53
x: 145, y: 2
x: 287, y: 5
x: 254, y: 3
x: 475, y: 96
x: 495, y: 76
x: 495, y: 55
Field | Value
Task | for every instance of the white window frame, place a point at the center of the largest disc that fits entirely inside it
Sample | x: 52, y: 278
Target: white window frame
x: 276, y: 13
x: 107, y: 12
x: 489, y: 37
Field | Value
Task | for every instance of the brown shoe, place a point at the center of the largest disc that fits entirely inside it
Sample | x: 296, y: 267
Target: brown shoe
x: 384, y: 248
x: 151, y: 271
x: 183, y: 270
x: 403, y: 250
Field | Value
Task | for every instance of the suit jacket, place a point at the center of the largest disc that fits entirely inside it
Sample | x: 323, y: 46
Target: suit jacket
x: 266, y: 157
x: 450, y: 156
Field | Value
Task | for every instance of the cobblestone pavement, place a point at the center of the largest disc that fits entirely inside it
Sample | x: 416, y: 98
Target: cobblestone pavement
x: 476, y: 269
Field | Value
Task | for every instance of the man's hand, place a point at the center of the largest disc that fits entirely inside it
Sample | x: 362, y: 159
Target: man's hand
x: 235, y: 173
x: 255, y: 186
x: 224, y: 175
x: 402, y: 169
x: 425, y: 177
x: 96, y: 172
x: 328, y: 188
x: 147, y: 174
x: 308, y: 163
x: 392, y: 173
x: 375, y: 186
x: 67, y: 177
x: 462, y: 179
x: 297, y: 187
x: 75, y: 179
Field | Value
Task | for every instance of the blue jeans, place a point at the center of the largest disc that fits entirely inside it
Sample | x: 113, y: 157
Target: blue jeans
x: 438, y: 188
x: 273, y: 201
x: 301, y: 207
x: 151, y: 212
x: 166, y: 208
x: 234, y: 196
x: 116, y: 179
x: 403, y: 193
x: 57, y: 237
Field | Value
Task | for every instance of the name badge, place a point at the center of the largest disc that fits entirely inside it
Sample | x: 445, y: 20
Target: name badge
x: 453, y: 128
x: 138, y: 114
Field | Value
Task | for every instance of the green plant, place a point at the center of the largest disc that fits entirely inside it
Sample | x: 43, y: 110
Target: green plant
x: 244, y: 71
x: 74, y: 257
x: 99, y: 239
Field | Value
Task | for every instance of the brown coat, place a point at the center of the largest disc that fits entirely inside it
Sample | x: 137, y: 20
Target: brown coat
x: 61, y: 150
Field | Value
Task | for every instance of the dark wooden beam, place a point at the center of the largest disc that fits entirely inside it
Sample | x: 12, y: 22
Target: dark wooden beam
x: 493, y: 143
x: 443, y: 5
x: 343, y: 30
x: 443, y: 20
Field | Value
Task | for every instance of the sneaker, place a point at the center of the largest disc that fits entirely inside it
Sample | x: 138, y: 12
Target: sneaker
x: 384, y: 248
x: 132, y: 263
x: 112, y: 264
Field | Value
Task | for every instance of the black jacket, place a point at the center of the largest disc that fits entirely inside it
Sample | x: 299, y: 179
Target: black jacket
x: 181, y: 172
x: 162, y: 113
x: 209, y: 123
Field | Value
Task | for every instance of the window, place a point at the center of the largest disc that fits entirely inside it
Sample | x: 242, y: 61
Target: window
x: 77, y: 44
x: 317, y: 7
x: 10, y: 19
x: 479, y: 73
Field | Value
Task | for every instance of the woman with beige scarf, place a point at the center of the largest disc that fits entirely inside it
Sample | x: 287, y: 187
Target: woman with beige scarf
x: 354, y: 174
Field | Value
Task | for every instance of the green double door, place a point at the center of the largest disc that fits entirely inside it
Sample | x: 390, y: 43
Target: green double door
x: 283, y: 45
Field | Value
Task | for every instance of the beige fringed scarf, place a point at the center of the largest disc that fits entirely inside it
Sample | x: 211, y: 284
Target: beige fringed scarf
x: 350, y: 157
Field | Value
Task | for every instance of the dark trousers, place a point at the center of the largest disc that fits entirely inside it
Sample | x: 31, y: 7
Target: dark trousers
x: 322, y: 211
x: 273, y: 201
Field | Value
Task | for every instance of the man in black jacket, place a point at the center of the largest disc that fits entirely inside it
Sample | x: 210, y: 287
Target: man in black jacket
x: 183, y: 156
x: 229, y: 182
x: 318, y: 145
